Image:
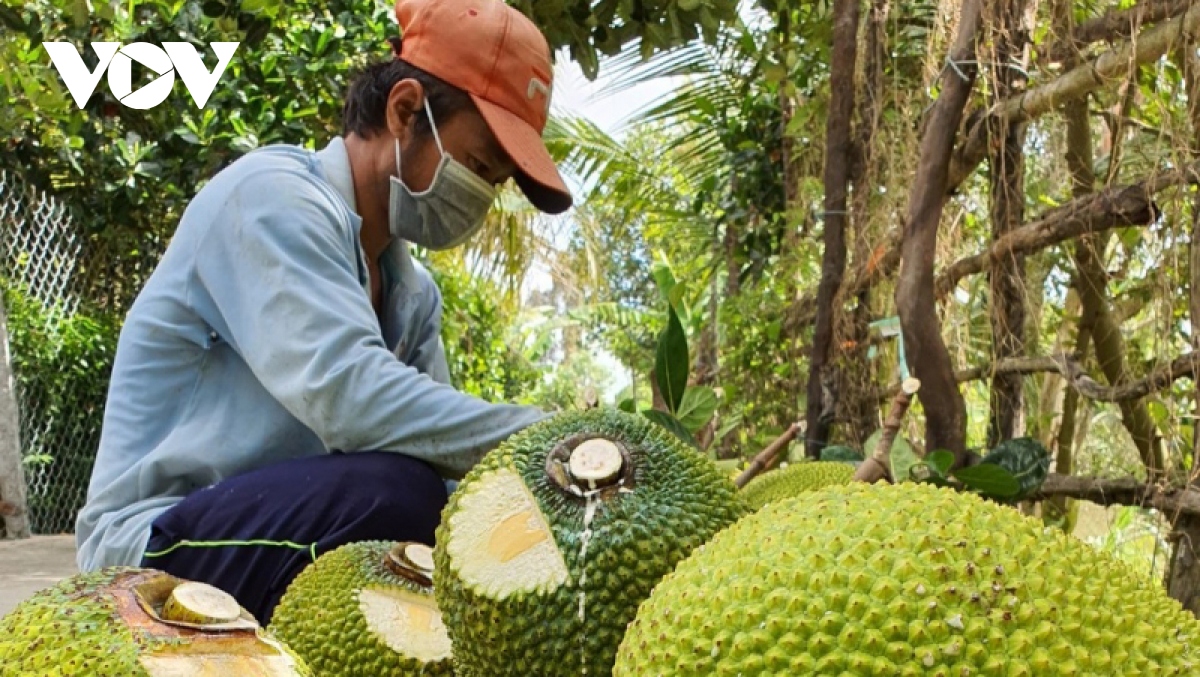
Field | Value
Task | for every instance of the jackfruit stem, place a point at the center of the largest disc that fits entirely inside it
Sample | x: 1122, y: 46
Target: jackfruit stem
x: 200, y: 604
x: 420, y: 555
x: 596, y: 462
x: 411, y: 560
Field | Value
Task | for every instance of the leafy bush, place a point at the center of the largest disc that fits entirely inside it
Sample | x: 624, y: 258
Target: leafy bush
x: 61, y: 365
x: 479, y: 346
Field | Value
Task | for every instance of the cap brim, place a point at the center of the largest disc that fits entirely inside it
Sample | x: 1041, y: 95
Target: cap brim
x: 537, y: 174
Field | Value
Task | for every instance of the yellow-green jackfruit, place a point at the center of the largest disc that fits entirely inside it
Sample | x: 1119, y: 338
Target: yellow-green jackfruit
x: 549, y: 544
x: 905, y: 580
x: 794, y: 480
x: 118, y: 621
x: 366, y: 608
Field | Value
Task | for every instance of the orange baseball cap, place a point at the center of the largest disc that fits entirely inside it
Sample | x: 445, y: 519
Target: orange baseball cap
x: 498, y: 56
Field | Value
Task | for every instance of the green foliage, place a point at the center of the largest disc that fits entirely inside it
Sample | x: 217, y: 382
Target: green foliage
x: 1025, y: 459
x: 902, y: 458
x: 590, y: 30
x: 671, y: 425
x: 477, y: 334
x: 841, y: 453
x: 134, y: 170
x: 61, y: 365
x: 671, y: 362
x: 697, y: 407
x: 1010, y: 472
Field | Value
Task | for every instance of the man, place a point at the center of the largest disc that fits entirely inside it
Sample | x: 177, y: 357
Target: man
x: 280, y: 388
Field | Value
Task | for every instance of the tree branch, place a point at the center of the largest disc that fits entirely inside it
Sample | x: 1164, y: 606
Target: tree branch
x: 1084, y: 79
x: 1161, y: 377
x: 1096, y: 212
x: 1116, y: 207
x: 1116, y: 25
x: 1125, y: 491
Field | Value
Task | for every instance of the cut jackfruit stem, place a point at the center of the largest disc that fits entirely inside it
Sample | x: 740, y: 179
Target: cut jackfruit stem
x: 413, y: 561
x: 596, y: 462
x: 419, y: 555
x: 200, y: 604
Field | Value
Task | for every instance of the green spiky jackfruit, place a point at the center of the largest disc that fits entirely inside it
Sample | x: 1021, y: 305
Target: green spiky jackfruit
x: 538, y: 573
x: 903, y: 580
x: 794, y: 480
x: 365, y: 608
x: 110, y: 623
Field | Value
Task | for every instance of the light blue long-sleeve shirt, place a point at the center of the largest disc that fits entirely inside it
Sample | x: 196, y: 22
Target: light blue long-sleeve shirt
x: 255, y: 341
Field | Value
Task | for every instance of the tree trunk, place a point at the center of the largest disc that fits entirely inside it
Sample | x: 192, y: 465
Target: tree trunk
x: 13, y: 505
x: 857, y: 382
x: 1007, y: 279
x: 837, y: 179
x: 945, y: 411
x: 1183, y: 582
x: 1091, y: 282
x: 1083, y: 181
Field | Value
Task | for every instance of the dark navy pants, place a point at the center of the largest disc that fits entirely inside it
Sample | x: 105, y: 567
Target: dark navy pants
x: 250, y: 535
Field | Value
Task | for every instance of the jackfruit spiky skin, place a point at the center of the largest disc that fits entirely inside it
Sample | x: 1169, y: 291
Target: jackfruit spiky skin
x: 320, y: 616
x: 794, y: 480
x: 678, y: 500
x: 905, y: 580
x: 79, y: 627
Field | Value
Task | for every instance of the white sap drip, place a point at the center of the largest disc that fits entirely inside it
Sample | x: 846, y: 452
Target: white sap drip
x: 585, y: 538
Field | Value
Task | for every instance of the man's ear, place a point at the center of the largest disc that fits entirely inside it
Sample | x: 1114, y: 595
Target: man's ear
x: 403, y: 104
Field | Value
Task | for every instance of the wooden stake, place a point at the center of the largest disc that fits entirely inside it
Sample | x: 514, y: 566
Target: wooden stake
x: 767, y: 456
x: 876, y: 468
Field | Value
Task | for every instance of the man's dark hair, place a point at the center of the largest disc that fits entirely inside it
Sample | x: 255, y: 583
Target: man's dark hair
x: 365, y: 110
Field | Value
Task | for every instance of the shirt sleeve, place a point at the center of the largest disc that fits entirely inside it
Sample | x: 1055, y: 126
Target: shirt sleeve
x: 429, y: 355
x: 280, y: 270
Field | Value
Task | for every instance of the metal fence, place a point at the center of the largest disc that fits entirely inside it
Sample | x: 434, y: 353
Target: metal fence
x: 50, y: 270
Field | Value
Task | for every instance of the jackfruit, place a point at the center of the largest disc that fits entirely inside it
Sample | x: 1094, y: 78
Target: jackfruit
x: 795, y: 479
x: 549, y: 544
x: 366, y: 608
x: 138, y: 623
x: 901, y: 580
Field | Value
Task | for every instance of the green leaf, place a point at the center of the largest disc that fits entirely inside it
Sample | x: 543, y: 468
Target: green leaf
x: 901, y: 459
x: 697, y: 407
x: 672, y: 425
x: 664, y: 278
x: 628, y: 405
x: 940, y: 462
x: 1026, y: 459
x: 671, y: 362
x: 989, y: 479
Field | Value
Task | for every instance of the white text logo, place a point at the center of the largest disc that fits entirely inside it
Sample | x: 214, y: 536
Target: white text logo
x: 118, y: 61
x: 538, y: 86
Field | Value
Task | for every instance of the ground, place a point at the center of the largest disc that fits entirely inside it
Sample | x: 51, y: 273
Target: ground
x: 27, y: 566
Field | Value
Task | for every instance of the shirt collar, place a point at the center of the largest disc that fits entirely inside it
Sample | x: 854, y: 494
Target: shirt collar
x: 335, y: 160
x: 396, y: 261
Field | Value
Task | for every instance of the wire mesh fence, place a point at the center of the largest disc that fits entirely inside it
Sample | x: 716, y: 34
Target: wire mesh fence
x: 63, y: 321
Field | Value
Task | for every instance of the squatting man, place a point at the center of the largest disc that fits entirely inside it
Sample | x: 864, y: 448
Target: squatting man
x: 280, y: 388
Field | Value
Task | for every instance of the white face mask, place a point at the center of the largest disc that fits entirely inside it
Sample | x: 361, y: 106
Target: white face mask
x: 446, y: 214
